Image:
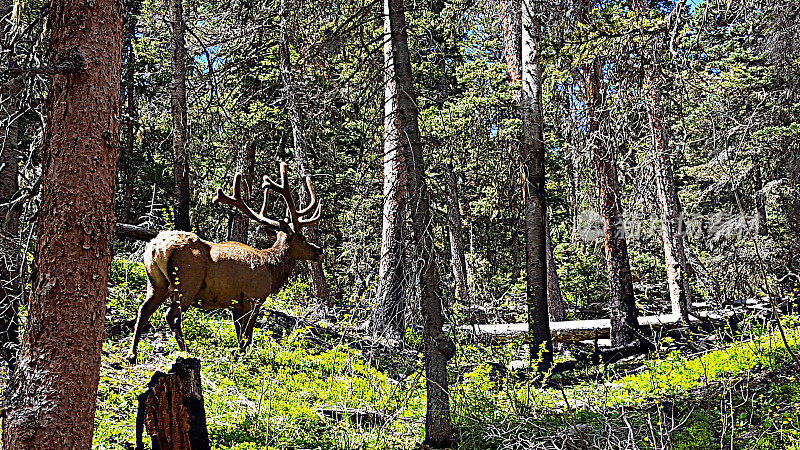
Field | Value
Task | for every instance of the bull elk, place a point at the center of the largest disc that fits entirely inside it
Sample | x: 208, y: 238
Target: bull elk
x: 208, y: 275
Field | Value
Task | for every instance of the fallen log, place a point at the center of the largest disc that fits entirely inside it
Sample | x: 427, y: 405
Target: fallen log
x: 575, y: 330
x: 356, y: 416
x: 137, y: 233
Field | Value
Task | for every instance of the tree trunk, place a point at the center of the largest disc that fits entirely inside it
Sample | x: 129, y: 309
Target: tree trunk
x: 761, y: 206
x: 511, y: 21
x: 438, y: 348
x: 180, y: 154
x: 317, y: 274
x: 127, y: 161
x: 245, y: 164
x: 172, y: 410
x: 515, y: 252
x: 623, y: 304
x: 672, y: 225
x: 532, y: 171
x: 388, y: 318
x: 50, y: 398
x: 554, y: 298
x: 457, y: 260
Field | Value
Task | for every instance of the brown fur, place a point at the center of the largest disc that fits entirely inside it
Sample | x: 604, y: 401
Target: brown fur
x: 209, y: 276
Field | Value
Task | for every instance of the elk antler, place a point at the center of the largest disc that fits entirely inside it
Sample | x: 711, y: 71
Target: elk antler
x: 237, y: 202
x: 296, y: 215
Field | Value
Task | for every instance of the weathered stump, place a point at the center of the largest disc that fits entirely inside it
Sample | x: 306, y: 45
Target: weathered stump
x: 172, y: 411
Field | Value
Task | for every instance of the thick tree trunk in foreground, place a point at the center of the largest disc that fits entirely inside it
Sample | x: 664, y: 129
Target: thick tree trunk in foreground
x: 245, y: 164
x: 623, y: 303
x: 180, y: 155
x: 317, y: 274
x: 457, y: 260
x: 532, y: 171
x: 402, y: 114
x: 388, y: 318
x: 50, y: 400
x: 172, y: 410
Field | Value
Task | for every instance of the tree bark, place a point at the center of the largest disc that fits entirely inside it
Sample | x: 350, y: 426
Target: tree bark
x: 515, y: 252
x: 457, y: 260
x: 180, y: 154
x: 127, y: 162
x: 245, y: 164
x: 172, y: 410
x: 317, y: 274
x: 532, y: 171
x: 388, y: 318
x: 672, y: 226
x: 50, y: 398
x: 511, y: 22
x: 402, y: 120
x: 554, y: 298
x: 623, y: 303
x: 10, y: 288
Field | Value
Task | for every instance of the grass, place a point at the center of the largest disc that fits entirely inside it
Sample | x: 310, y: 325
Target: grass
x: 743, y: 396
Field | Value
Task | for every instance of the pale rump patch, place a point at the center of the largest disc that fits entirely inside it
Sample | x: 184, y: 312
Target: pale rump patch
x: 159, y: 250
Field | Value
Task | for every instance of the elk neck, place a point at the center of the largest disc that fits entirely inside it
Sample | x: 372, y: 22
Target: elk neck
x: 278, y: 258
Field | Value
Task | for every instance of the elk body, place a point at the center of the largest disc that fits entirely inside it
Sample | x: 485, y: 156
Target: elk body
x: 191, y: 272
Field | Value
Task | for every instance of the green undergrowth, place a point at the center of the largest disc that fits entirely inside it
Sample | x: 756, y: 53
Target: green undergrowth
x: 745, y: 395
x: 272, y: 396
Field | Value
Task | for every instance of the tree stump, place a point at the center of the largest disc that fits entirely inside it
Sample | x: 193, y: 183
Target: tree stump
x: 172, y: 411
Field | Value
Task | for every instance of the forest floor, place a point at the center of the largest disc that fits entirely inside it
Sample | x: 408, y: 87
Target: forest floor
x: 298, y: 391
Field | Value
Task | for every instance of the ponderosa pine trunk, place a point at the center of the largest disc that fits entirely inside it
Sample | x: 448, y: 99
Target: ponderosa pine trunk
x: 458, y: 262
x: 319, y: 285
x: 388, y: 317
x: 532, y: 171
x: 180, y: 154
x: 672, y: 225
x: 624, y: 322
x: 50, y: 398
x: 245, y: 164
x: 401, y: 108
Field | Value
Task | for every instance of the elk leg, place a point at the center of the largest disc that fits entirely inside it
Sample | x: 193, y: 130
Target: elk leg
x: 155, y: 298
x: 173, y: 318
x: 250, y: 322
x: 238, y: 313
